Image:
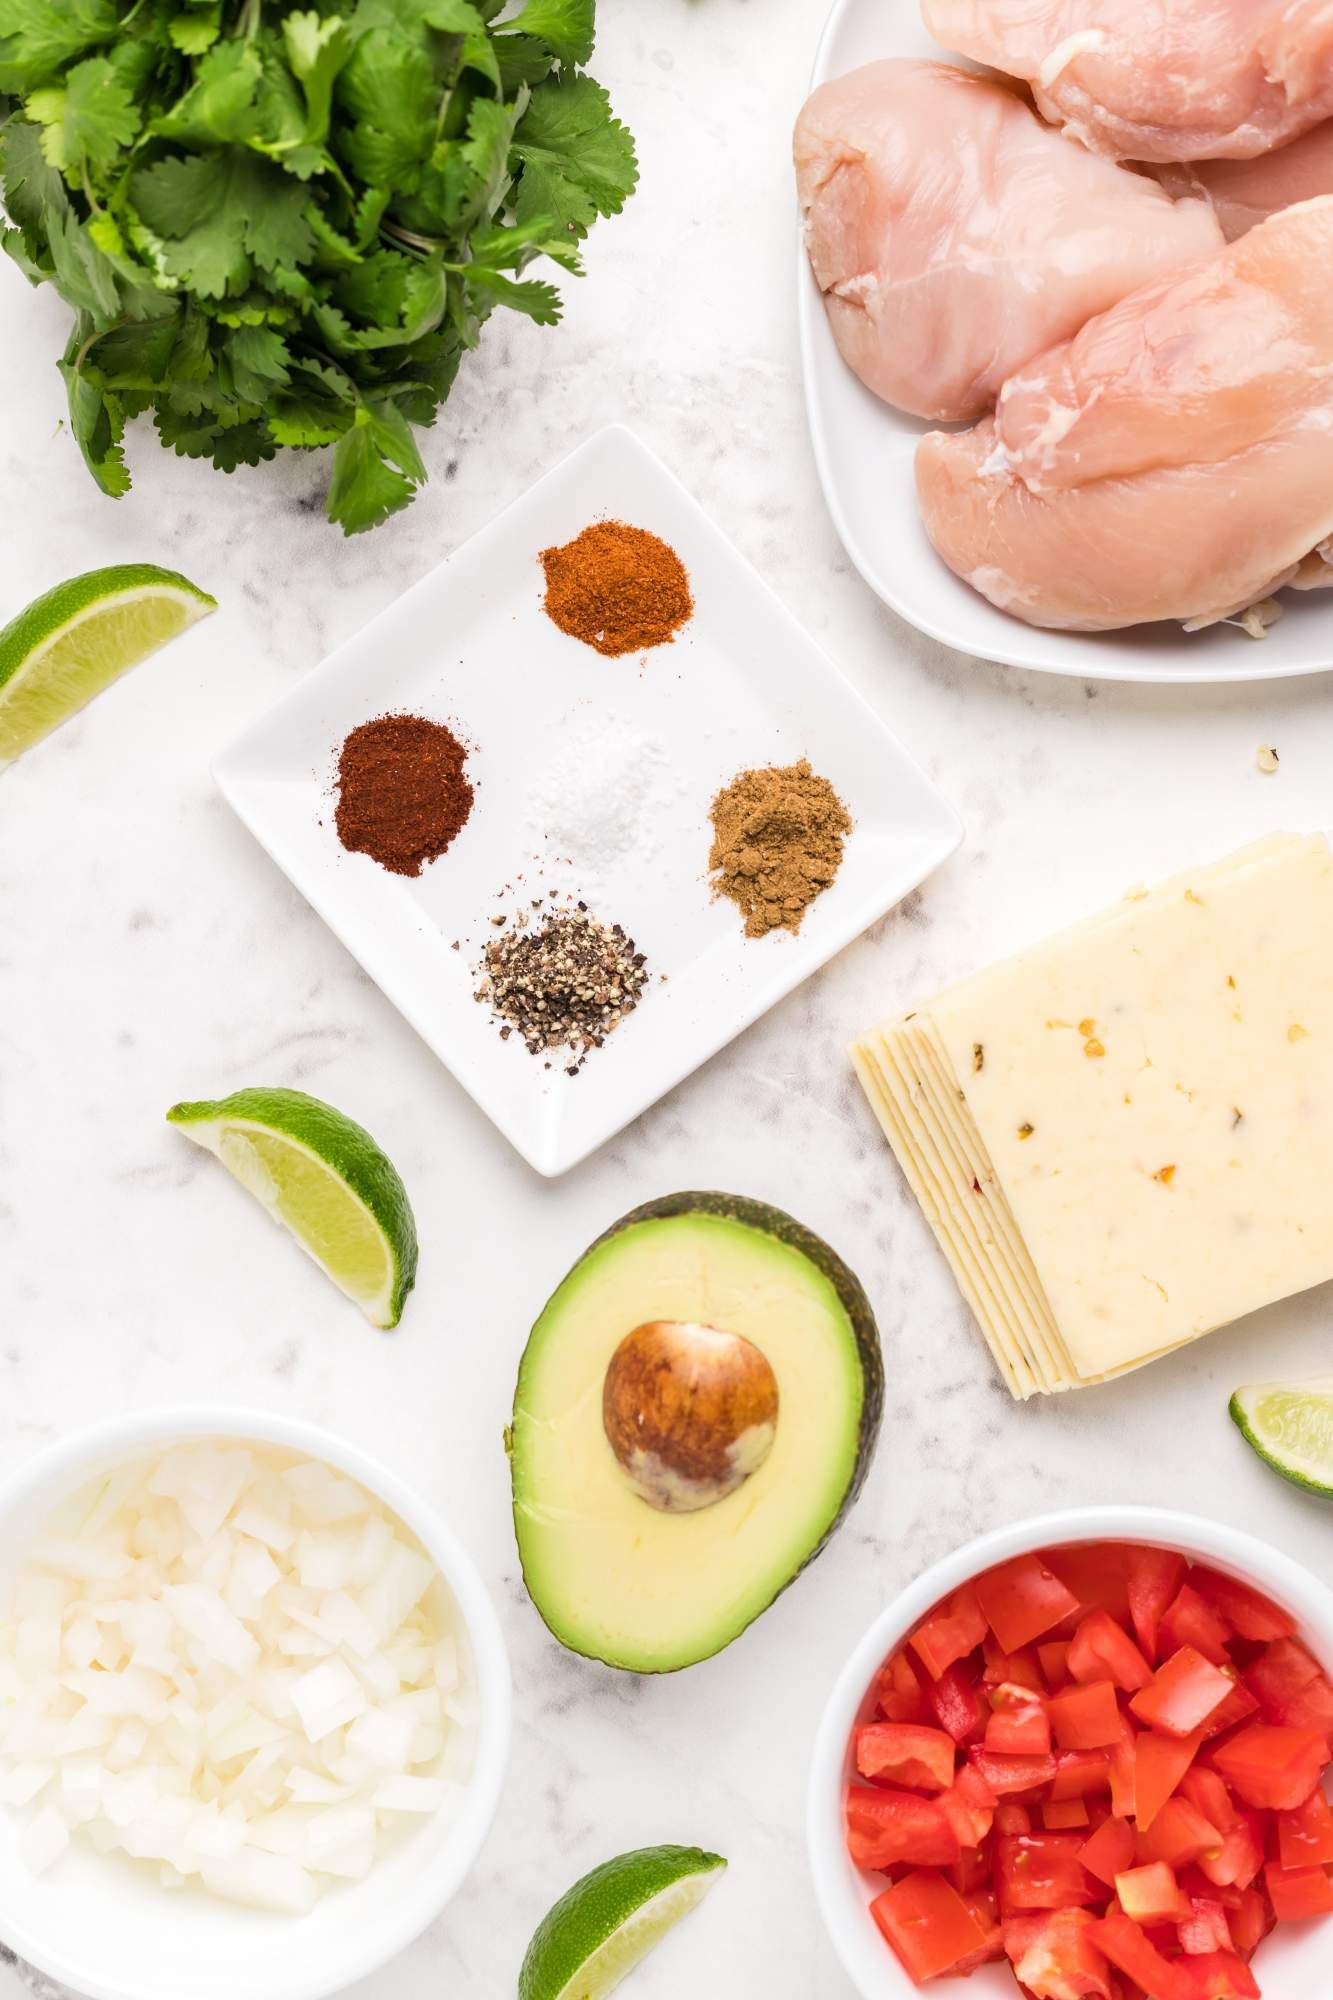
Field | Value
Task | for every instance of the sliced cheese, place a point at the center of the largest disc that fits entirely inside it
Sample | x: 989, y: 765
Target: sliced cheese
x: 1123, y: 1137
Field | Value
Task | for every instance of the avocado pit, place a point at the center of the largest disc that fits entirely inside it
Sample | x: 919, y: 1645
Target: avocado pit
x: 690, y: 1412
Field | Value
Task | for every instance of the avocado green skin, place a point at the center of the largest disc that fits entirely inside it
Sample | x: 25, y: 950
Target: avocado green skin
x: 602, y: 1904
x: 327, y: 1132
x: 37, y: 620
x: 786, y: 1229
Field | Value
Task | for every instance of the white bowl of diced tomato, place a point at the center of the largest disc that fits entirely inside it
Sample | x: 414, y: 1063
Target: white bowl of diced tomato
x: 1086, y: 1758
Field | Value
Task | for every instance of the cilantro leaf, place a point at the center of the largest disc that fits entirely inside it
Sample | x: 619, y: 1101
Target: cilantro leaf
x: 376, y: 468
x: 96, y: 419
x: 38, y: 36
x: 565, y: 27
x: 390, y: 90
x: 219, y: 214
x: 282, y: 223
x: 539, y: 301
x: 578, y: 159
x: 317, y: 48
x: 88, y: 122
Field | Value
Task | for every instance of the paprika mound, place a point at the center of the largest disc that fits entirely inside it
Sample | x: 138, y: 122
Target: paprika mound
x: 617, y: 588
x: 403, y: 792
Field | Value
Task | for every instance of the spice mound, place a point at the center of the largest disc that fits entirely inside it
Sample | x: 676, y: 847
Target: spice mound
x: 778, y: 837
x: 617, y: 588
x: 567, y: 983
x: 403, y: 794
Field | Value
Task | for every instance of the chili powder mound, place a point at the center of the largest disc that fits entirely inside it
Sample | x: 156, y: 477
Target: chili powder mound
x: 403, y: 793
x: 617, y: 588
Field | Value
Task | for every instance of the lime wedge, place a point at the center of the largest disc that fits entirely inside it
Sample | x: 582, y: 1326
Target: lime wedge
x: 76, y: 639
x: 322, y: 1176
x: 606, y: 1923
x: 1290, y: 1425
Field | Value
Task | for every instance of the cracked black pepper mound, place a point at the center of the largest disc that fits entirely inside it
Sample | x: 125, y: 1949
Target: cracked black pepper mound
x: 566, y: 984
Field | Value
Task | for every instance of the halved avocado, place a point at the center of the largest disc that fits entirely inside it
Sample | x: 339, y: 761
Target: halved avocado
x: 630, y: 1583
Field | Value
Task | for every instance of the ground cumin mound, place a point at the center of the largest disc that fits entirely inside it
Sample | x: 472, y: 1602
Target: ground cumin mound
x: 778, y: 837
x: 617, y: 588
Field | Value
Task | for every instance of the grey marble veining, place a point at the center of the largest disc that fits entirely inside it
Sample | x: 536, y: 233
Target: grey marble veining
x: 148, y: 951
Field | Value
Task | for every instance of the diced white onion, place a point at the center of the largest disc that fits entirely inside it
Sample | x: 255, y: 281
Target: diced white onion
x: 230, y: 1665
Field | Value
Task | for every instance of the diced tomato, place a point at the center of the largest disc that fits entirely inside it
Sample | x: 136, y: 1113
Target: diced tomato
x: 1110, y: 1851
x: 1245, y: 1609
x: 1096, y: 1572
x: 1006, y: 1775
x: 1023, y: 1599
x: 1183, y: 1694
x: 1291, y: 1687
x: 898, y: 1692
x: 955, y: 1699
x: 1239, y: 1858
x: 987, y: 1913
x: 1298, y: 1892
x: 928, y: 1924
x: 1054, y: 1958
x: 1220, y: 1976
x: 1129, y: 1816
x: 1101, y: 1651
x: 1238, y: 1707
x: 1128, y: 1946
x: 1155, y: 1576
x: 1018, y: 1726
x: 1251, y: 1920
x: 1152, y: 1895
x: 1086, y: 1718
x: 1207, y: 1790
x: 971, y: 1816
x: 950, y: 1633
x: 1179, y: 1835
x: 884, y: 1827
x: 1060, y: 1814
x: 904, y: 1753
x: 1053, y: 1658
x: 1160, y: 1762
x: 1205, y: 1929
x: 971, y: 1871
x: 1040, y: 1871
x: 1269, y: 1765
x: 1080, y: 1773
x: 1124, y: 1777
x: 1190, y: 1620
x: 1305, y: 1835
x: 1021, y: 1668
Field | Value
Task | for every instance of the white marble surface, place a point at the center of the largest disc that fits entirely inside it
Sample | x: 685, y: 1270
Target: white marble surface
x: 149, y: 951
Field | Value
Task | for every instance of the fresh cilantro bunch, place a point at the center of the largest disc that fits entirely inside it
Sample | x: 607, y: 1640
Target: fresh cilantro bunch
x: 285, y: 225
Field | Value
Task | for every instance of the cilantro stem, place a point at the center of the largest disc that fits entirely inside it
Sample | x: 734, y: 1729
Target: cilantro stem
x: 251, y: 15
x: 428, y: 245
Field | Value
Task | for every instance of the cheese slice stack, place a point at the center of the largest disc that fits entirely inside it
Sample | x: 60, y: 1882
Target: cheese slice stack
x: 1123, y: 1137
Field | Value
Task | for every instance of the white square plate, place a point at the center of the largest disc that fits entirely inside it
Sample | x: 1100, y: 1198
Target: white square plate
x: 866, y: 451
x: 471, y: 645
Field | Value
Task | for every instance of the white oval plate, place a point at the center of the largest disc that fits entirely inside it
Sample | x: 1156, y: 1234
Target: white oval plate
x: 865, y: 450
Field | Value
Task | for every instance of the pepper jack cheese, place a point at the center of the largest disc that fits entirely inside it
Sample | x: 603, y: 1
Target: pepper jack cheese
x: 1123, y: 1137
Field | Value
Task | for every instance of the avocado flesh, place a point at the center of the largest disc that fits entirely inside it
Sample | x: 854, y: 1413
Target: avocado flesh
x: 613, y: 1577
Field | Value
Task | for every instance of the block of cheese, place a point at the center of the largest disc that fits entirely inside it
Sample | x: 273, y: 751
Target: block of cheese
x: 1123, y: 1137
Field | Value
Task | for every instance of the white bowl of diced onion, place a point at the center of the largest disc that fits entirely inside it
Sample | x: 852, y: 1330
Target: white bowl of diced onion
x: 254, y: 1710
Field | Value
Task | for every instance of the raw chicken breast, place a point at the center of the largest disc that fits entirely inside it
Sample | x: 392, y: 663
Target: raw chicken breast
x: 1158, y: 79
x: 1173, y: 460
x: 954, y: 235
x: 1244, y: 192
